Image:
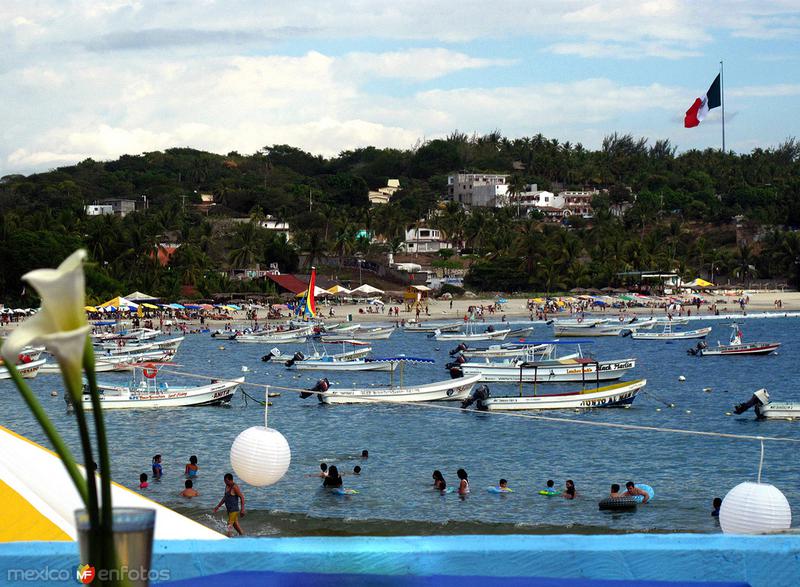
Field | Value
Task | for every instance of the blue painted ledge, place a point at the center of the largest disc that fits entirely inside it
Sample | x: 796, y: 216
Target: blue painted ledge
x: 762, y: 561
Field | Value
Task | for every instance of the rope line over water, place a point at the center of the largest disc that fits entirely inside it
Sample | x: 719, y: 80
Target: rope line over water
x: 562, y: 420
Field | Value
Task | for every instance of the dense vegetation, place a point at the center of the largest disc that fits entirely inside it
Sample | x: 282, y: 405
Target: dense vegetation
x: 678, y: 214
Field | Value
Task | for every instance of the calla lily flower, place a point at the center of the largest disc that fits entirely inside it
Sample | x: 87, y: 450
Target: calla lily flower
x: 61, y: 324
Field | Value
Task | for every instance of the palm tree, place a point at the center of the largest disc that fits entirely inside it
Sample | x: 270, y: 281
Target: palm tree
x: 246, y: 248
x: 745, y: 263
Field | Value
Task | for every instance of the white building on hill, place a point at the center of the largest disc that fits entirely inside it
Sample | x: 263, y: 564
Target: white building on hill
x: 478, y: 189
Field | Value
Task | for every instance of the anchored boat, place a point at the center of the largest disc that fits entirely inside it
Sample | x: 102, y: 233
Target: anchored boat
x: 769, y: 410
x: 549, y: 368
x: 735, y: 346
x: 616, y: 395
x: 147, y: 392
x: 669, y: 334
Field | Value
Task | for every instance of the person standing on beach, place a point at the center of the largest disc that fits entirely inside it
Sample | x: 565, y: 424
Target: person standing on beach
x: 231, y: 499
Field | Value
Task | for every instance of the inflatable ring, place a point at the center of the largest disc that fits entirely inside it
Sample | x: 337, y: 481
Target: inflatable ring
x: 341, y: 491
x: 499, y: 490
x: 549, y: 493
x: 647, y: 489
x: 619, y: 503
x: 149, y: 371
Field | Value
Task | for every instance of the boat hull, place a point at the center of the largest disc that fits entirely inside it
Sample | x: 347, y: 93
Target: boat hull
x: 549, y: 372
x: 617, y: 395
x: 26, y: 370
x: 742, y: 349
x: 500, y: 352
x: 779, y: 411
x: 354, y: 365
x: 464, y: 337
x: 452, y: 390
x: 207, y: 395
x: 688, y: 334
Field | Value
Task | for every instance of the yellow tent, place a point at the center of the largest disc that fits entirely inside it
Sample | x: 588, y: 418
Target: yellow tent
x: 338, y: 289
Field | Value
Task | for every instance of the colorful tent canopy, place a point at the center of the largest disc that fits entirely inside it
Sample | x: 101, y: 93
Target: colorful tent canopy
x: 318, y: 292
x: 40, y: 500
x: 150, y: 306
x: 338, y: 290
x: 119, y: 302
x: 696, y: 283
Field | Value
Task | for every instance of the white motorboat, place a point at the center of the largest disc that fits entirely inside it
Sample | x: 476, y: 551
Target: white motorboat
x: 292, y: 336
x: 619, y: 394
x: 735, y: 346
x: 601, y: 329
x: 550, y: 368
x: 577, y: 322
x: 380, y: 333
x: 27, y: 368
x: 469, y: 335
x: 431, y: 327
x: 106, y: 363
x: 505, y: 350
x: 120, y: 346
x: 138, y: 334
x: 766, y: 409
x: 364, y: 364
x: 147, y: 392
x: 453, y: 389
x: 668, y: 333
x: 356, y: 350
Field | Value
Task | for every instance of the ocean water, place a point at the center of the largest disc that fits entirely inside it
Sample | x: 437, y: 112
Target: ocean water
x: 406, y: 443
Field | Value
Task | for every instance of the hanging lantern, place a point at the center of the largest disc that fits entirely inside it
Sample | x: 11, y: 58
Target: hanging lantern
x: 753, y: 508
x: 261, y: 455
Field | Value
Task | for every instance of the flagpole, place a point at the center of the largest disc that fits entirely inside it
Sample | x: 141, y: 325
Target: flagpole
x: 722, y: 99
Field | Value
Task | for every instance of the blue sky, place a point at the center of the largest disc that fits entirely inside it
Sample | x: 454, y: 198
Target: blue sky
x: 98, y: 79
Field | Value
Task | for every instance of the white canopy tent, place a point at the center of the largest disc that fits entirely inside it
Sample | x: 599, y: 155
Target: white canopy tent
x: 367, y: 290
x: 138, y: 296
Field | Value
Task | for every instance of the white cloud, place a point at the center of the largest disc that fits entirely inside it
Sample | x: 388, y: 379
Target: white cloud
x: 416, y: 64
x: 767, y: 91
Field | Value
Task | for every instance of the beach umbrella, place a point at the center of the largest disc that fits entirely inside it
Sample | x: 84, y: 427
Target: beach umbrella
x: 192, y: 307
x: 206, y: 306
x: 150, y: 306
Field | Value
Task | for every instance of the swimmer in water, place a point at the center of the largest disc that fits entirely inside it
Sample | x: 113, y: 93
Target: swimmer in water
x: 551, y: 486
x: 157, y: 469
x: 463, y: 485
x: 438, y: 481
x: 333, y: 479
x: 323, y: 471
x: 365, y: 454
x: 569, y: 490
x: 503, y: 485
x: 143, y: 484
x: 633, y: 491
x: 191, y: 467
x: 356, y: 470
x: 717, y: 503
x: 189, y: 491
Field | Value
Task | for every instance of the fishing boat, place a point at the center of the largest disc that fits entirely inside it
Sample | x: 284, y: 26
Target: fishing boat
x: 735, y: 346
x: 120, y: 346
x: 106, y: 363
x: 577, y: 322
x: 28, y: 369
x: 504, y: 350
x: 600, y: 329
x: 766, y: 409
x: 619, y: 394
x: 668, y: 333
x: 469, y: 334
x: 362, y: 364
x: 292, y: 336
x: 431, y: 327
x: 138, y: 334
x: 147, y: 392
x: 380, y: 333
x: 351, y: 349
x: 450, y: 390
x: 549, y: 368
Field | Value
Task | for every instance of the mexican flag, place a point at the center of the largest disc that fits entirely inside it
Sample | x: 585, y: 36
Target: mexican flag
x: 701, y: 106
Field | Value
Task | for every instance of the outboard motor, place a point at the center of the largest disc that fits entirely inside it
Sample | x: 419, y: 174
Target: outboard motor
x: 490, y: 328
x: 273, y: 353
x: 455, y: 369
x: 459, y: 349
x: 759, y: 399
x: 480, y: 395
x: 456, y: 363
x: 321, y: 386
x: 298, y: 356
x: 702, y: 345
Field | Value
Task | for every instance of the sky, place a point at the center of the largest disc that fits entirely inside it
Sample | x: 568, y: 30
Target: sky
x: 99, y: 79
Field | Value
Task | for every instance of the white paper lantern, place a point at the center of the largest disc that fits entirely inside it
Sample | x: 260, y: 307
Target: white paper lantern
x: 753, y: 508
x: 260, y: 456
